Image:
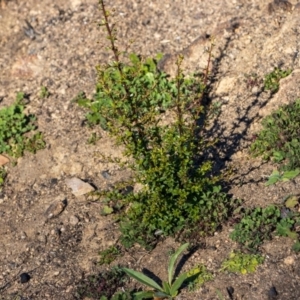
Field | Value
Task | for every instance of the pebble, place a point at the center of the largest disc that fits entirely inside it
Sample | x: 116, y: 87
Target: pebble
x: 73, y: 220
x: 78, y: 186
x: 24, y: 277
x: 289, y: 260
x: 55, y: 209
x: 23, y: 235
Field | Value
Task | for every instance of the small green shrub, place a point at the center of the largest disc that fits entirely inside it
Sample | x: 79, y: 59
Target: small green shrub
x: 169, y: 289
x: 199, y: 276
x: 271, y: 82
x: 279, y: 140
x: 256, y: 226
x: 18, y: 130
x: 179, y: 192
x: 242, y: 263
x: 3, y: 174
x: 44, y: 93
x: 260, y: 224
x: 108, y: 255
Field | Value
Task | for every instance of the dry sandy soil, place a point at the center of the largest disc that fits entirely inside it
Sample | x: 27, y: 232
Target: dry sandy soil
x: 57, y: 44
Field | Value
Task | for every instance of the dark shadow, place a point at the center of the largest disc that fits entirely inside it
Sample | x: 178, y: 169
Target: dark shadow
x: 152, y: 276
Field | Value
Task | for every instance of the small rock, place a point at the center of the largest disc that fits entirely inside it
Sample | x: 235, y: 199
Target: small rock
x: 55, y: 209
x: 290, y: 260
x: 24, y: 277
x: 42, y: 238
x: 3, y: 160
x: 272, y: 293
x: 105, y: 174
x: 78, y: 186
x: 73, y: 220
x: 230, y: 291
x: 23, y: 235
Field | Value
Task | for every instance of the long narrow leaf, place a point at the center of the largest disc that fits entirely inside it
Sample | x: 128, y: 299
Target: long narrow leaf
x: 143, y: 295
x: 142, y: 278
x: 178, y: 283
x: 161, y: 295
x: 166, y: 287
x: 173, y: 260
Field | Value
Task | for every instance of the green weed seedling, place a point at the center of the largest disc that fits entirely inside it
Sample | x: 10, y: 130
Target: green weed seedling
x: 44, y: 93
x: 18, y: 130
x: 271, y: 82
x: 259, y: 224
x: 199, y: 276
x: 170, y: 288
x: 242, y: 263
x: 108, y: 255
x: 179, y: 194
x: 256, y: 226
x: 279, y: 141
x: 3, y: 174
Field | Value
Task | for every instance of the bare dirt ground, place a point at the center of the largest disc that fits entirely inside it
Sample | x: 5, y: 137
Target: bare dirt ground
x: 57, y: 44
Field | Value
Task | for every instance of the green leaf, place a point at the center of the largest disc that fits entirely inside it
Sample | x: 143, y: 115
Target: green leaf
x: 290, y: 175
x: 178, y: 283
x: 161, y: 295
x: 143, y: 295
x: 296, y: 247
x: 173, y: 260
x: 166, y: 288
x: 142, y: 278
x: 291, y: 201
x: 274, y: 177
x: 107, y: 210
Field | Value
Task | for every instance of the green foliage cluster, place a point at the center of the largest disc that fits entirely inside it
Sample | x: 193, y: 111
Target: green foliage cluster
x: 259, y: 224
x: 14, y: 128
x: 44, y: 93
x: 255, y: 226
x: 104, y: 285
x: 169, y: 289
x: 156, y: 119
x: 199, y: 275
x: 108, y: 255
x: 242, y: 263
x: 279, y: 140
x: 3, y: 174
x: 271, y: 82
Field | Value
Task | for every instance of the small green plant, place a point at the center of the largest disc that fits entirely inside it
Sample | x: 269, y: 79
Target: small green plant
x: 260, y: 224
x: 108, y: 255
x: 272, y: 79
x: 44, y: 93
x: 105, y: 285
x: 255, y: 226
x: 282, y: 176
x: 199, y: 275
x: 3, y: 174
x: 133, y: 100
x: 242, y: 263
x: 279, y: 140
x: 170, y: 288
x: 17, y: 130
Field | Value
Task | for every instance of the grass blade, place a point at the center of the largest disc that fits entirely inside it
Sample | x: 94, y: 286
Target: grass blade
x: 178, y: 283
x: 173, y: 260
x: 142, y: 278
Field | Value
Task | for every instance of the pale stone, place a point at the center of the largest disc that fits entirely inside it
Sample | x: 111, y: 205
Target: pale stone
x: 78, y: 186
x: 226, y: 85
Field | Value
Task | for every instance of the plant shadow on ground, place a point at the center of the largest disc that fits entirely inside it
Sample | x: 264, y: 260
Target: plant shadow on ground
x: 226, y: 147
